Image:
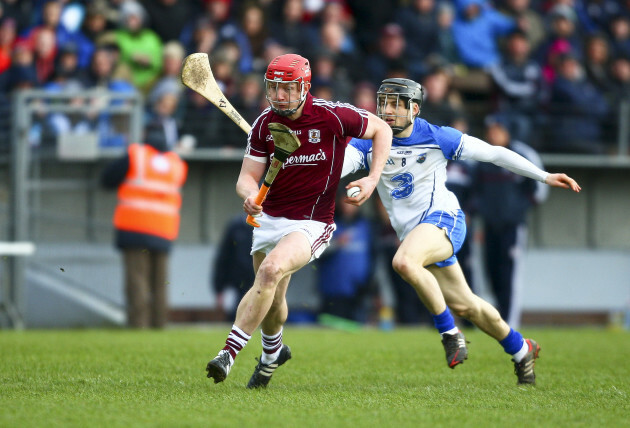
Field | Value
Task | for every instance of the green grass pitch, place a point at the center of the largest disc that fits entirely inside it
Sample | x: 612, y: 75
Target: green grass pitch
x: 124, y: 378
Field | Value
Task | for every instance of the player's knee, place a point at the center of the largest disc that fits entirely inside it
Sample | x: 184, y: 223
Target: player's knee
x: 402, y: 265
x: 270, y: 273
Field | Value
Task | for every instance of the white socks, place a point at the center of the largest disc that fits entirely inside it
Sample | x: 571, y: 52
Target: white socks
x: 272, y: 345
x: 237, y: 339
x: 452, y: 331
x: 521, y: 354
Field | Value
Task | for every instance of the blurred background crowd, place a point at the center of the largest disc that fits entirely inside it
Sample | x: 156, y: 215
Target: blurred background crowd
x: 556, y: 70
x: 554, y: 74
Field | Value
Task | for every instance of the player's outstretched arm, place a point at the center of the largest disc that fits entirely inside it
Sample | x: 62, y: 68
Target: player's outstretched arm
x: 481, y: 151
x: 564, y: 181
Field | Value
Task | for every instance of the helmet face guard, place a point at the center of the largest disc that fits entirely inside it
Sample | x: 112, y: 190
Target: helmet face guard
x: 399, y: 92
x: 287, y: 81
x: 293, y: 94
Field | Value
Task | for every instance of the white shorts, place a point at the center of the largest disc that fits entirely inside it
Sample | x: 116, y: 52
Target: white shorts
x: 272, y: 229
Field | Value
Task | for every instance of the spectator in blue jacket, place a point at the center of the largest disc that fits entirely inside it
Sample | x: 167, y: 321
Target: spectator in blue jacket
x: 476, y: 28
x: 345, y: 270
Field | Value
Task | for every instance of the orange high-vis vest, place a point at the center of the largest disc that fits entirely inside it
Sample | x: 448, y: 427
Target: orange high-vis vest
x: 149, y: 199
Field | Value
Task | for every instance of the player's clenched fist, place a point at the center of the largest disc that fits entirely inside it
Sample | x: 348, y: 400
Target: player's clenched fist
x: 251, y: 207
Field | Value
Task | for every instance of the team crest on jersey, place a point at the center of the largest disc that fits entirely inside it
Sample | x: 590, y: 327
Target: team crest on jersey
x: 422, y: 158
x: 314, y: 136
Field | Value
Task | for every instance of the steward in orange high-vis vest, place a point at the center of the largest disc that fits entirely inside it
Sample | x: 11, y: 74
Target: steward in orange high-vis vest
x: 149, y: 199
x: 149, y: 179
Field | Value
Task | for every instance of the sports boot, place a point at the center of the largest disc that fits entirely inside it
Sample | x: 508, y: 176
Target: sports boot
x: 263, y: 372
x: 219, y: 368
x: 524, y: 370
x: 455, y: 347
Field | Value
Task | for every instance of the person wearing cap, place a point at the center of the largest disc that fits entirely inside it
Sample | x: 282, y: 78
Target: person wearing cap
x: 562, y: 30
x: 148, y: 178
x: 502, y: 201
x: 429, y: 221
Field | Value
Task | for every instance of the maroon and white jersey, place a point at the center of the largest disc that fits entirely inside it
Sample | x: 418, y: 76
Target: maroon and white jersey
x: 305, y: 187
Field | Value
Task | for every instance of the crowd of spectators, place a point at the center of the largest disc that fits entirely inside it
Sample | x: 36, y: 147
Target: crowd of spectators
x: 557, y: 70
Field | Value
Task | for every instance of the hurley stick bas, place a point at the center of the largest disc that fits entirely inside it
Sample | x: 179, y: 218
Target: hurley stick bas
x: 197, y: 75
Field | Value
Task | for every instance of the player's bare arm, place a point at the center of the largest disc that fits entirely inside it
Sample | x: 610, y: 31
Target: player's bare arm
x: 247, y: 184
x: 381, y: 135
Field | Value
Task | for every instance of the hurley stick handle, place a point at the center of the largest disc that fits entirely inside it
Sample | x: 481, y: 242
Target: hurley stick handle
x: 262, y: 194
x: 285, y: 142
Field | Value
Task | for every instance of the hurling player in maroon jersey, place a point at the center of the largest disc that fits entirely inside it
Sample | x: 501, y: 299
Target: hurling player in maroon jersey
x: 296, y: 219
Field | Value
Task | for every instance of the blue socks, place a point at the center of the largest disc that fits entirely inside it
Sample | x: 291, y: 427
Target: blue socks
x: 513, y: 342
x: 444, y: 322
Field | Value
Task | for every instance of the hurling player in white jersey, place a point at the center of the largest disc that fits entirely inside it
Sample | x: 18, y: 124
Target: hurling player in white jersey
x: 429, y: 222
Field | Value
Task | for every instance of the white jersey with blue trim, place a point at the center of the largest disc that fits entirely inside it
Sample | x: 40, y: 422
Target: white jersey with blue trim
x: 413, y: 182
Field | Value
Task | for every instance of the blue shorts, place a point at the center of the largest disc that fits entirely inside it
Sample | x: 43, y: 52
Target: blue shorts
x: 455, y: 228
